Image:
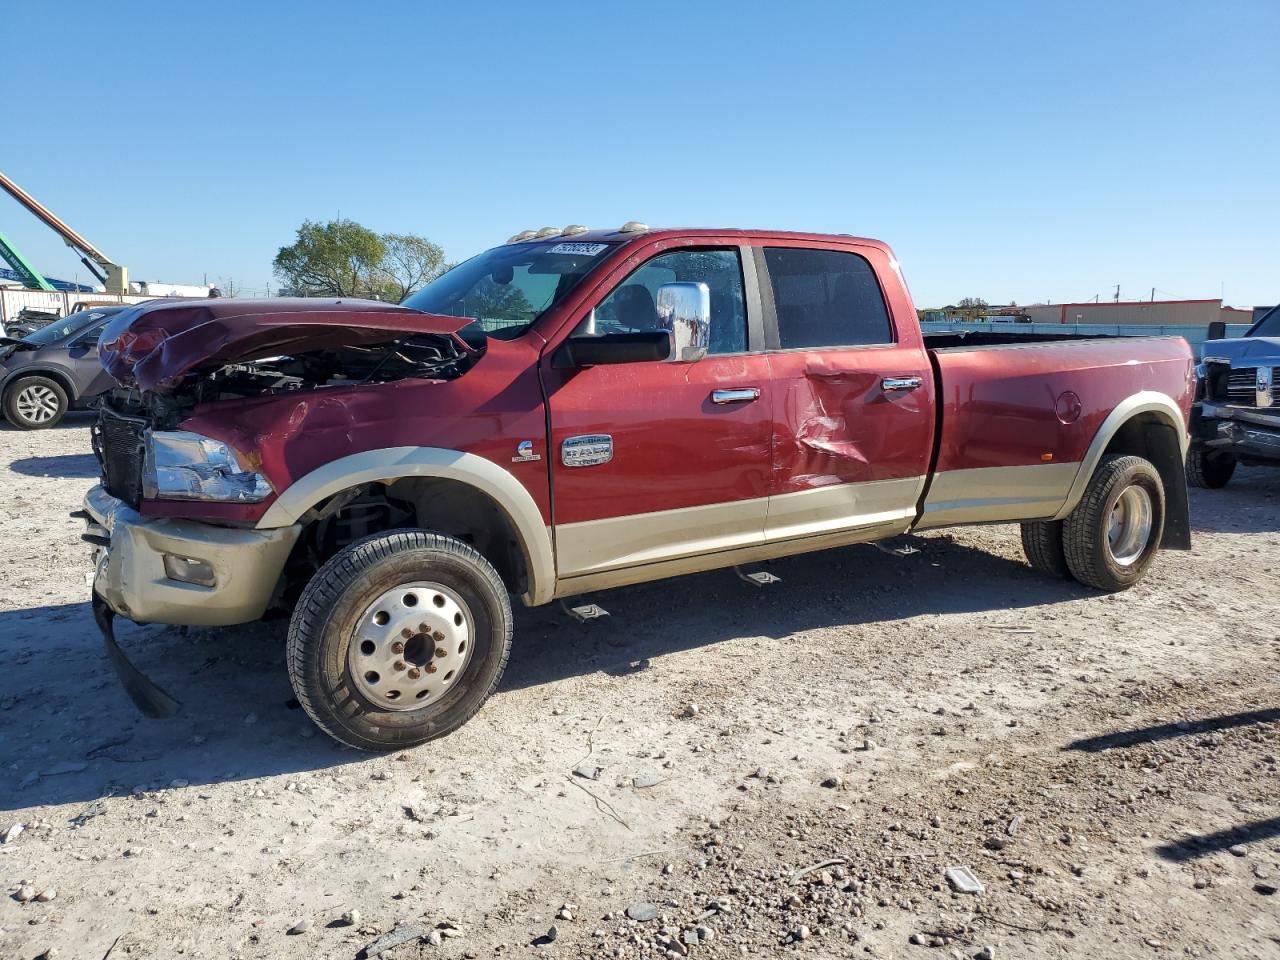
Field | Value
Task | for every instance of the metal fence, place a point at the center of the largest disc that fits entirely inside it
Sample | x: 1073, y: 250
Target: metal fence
x: 13, y: 301
x: 1194, y: 335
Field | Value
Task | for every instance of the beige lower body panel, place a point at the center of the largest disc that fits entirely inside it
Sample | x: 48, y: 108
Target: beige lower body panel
x: 679, y: 566
x: 599, y: 554
x: 997, y: 494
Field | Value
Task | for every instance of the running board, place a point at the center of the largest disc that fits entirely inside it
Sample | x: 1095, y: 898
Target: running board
x: 757, y: 578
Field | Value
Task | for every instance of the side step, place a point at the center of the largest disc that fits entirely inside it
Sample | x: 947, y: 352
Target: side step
x: 585, y: 611
x: 757, y: 578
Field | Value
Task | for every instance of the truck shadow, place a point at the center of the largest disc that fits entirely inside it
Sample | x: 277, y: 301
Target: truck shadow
x: 69, y: 734
x: 851, y: 586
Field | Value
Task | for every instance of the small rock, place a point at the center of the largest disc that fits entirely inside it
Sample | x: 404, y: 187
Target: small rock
x: 986, y: 953
x: 833, y: 783
x: 1265, y: 888
x: 351, y: 918
x: 12, y: 832
x: 25, y: 894
x: 587, y: 771
x: 1238, y: 850
x: 50, y: 954
x: 302, y: 926
x: 690, y: 711
x: 801, y: 933
x: 44, y: 896
x: 645, y: 780
x: 132, y: 851
x: 564, y: 914
x: 705, y: 934
x: 919, y: 939
x: 867, y: 744
x: 435, y: 938
x: 642, y: 912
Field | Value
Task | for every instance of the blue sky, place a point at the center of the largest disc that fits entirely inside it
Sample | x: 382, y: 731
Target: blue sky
x: 1021, y: 151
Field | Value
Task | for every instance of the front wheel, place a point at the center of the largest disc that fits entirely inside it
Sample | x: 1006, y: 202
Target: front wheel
x: 1209, y: 469
x: 399, y: 639
x: 1114, y: 532
x: 34, y: 403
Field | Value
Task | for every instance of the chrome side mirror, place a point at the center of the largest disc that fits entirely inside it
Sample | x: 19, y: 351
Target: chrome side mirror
x: 684, y: 311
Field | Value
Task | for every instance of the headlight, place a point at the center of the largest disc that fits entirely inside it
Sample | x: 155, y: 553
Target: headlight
x: 186, y: 466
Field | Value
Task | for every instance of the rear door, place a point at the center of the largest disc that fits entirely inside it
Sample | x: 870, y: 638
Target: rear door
x: 853, y: 405
x: 85, y: 363
x: 653, y: 461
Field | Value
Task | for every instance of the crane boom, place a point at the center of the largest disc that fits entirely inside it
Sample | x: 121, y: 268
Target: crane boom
x: 30, y: 276
x: 113, y: 276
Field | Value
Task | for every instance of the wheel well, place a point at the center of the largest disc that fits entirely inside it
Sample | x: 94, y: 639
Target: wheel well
x: 57, y: 376
x: 1152, y: 437
x: 451, y: 507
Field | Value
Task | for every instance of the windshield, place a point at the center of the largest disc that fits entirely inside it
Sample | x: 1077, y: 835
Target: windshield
x: 71, y: 324
x: 1268, y: 326
x: 507, y: 288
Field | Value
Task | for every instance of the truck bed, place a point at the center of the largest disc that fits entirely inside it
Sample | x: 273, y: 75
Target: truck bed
x: 1017, y: 416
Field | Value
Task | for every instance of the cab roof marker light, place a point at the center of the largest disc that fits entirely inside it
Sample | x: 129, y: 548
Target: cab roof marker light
x: 634, y: 226
x: 572, y: 230
x: 524, y: 235
x: 548, y: 232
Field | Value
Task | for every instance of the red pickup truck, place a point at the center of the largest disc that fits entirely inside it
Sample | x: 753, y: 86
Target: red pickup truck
x: 580, y: 409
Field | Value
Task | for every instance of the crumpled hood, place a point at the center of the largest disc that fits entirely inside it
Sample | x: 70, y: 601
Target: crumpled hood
x: 157, y: 343
x: 1245, y: 351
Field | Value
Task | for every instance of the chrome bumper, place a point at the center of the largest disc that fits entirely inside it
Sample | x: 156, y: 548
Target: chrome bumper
x: 130, y: 572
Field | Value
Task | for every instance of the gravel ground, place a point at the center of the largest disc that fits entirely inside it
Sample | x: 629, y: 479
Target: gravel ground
x: 1104, y: 765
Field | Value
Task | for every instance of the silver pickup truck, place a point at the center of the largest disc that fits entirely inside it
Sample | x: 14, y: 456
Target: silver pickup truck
x: 1236, y: 414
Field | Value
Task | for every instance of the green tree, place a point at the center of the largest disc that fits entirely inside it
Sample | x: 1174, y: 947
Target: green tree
x: 410, y: 262
x: 335, y: 259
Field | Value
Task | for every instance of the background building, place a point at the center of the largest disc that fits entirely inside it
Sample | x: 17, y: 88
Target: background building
x: 1198, y: 313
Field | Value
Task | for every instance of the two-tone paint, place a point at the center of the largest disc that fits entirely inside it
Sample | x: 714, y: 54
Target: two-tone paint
x: 826, y: 446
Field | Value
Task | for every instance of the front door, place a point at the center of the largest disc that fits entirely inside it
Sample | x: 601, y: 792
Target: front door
x: 652, y: 461
x: 853, y: 402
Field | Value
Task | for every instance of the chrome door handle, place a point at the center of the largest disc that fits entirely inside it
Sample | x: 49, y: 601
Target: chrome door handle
x: 738, y: 395
x: 901, y: 383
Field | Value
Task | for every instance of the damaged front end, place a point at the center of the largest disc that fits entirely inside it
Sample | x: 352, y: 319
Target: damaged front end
x: 171, y: 523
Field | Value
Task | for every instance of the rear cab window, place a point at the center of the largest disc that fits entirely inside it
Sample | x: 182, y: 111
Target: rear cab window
x: 826, y: 298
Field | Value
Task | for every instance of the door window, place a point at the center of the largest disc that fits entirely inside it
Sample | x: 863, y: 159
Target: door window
x: 826, y: 298
x: 631, y: 307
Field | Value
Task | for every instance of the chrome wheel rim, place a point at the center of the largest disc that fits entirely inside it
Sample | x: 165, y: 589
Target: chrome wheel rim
x: 411, y: 646
x: 1129, y: 527
x: 37, y: 404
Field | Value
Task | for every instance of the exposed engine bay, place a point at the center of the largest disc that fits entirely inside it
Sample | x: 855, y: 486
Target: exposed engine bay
x: 424, y: 356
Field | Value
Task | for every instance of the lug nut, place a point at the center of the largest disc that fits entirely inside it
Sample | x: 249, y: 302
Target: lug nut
x: 431, y: 668
x: 414, y: 673
x: 397, y: 648
x: 441, y: 652
x: 398, y: 665
x: 406, y: 633
x: 438, y: 637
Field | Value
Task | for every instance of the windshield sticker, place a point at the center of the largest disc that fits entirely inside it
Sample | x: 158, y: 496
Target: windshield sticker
x: 584, y: 249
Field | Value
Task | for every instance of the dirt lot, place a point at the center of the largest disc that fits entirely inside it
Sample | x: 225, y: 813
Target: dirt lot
x: 1105, y: 765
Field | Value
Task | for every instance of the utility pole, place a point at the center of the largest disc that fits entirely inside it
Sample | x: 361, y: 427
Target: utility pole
x: 1153, y: 294
x: 1117, y: 296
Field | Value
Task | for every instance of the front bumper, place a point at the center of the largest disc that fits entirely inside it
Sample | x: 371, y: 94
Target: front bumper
x: 130, y: 572
x: 1242, y: 431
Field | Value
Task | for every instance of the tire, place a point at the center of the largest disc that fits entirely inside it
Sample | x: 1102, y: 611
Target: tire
x: 1042, y: 543
x: 1209, y: 470
x: 35, y: 403
x: 364, y: 695
x: 1103, y: 537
